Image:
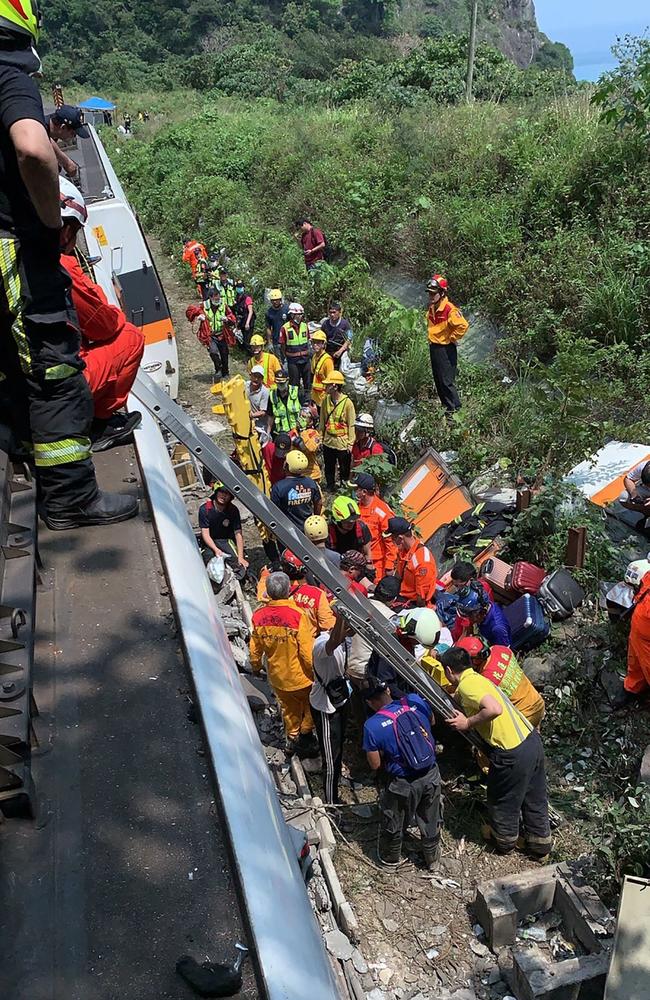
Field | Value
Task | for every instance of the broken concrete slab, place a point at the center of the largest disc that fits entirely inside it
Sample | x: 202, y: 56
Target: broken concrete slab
x: 339, y: 945
x: 535, y: 978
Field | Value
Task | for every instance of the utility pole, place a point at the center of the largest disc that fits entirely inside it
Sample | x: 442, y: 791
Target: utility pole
x: 472, y: 52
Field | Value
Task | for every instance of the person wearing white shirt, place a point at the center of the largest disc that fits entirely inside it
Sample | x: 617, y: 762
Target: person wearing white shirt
x: 329, y: 700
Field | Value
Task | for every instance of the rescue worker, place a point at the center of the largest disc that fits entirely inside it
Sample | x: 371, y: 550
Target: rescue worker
x: 354, y: 566
x: 221, y: 530
x: 321, y: 366
x: 337, y: 418
x: 347, y: 530
x: 282, y: 634
x: 66, y: 124
x: 227, y: 288
x: 637, y: 678
x: 500, y: 665
x: 258, y: 397
x: 446, y: 326
x: 45, y: 402
x: 636, y: 495
x: 307, y: 440
x: 296, y: 495
x: 275, y: 454
x: 516, y: 781
x: 260, y: 358
x: 245, y: 313
x: 193, y: 252
x: 217, y: 314
x: 484, y: 616
x: 295, y: 340
x: 407, y: 793
x: 375, y: 514
x: 415, y: 565
x: 202, y: 278
x: 111, y: 347
x: 313, y: 243
x: 276, y: 317
x: 127, y: 121
x: 364, y: 445
x: 338, y: 332
x: 330, y: 700
x: 284, y: 405
x: 310, y: 599
x: 317, y: 529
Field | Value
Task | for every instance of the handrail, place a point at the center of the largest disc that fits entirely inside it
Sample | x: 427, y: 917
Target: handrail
x: 292, y: 962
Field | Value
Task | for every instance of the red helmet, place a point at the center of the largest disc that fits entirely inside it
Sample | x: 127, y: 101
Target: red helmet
x: 474, y: 645
x: 437, y: 284
x: 291, y: 560
x: 353, y: 560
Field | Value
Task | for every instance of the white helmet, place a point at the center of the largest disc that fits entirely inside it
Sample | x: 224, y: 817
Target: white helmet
x: 72, y: 202
x: 365, y: 421
x: 636, y: 571
x: 427, y: 628
x: 295, y: 307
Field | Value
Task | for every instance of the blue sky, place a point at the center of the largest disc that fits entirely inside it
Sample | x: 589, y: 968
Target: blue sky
x: 590, y: 27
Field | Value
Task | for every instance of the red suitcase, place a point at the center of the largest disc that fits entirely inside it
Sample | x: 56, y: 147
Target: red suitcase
x: 497, y: 573
x: 526, y: 578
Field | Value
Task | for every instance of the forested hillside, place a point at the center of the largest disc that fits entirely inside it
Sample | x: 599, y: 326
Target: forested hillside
x: 198, y: 42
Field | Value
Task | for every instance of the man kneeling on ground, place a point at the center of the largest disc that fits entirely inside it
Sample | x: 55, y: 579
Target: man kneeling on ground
x: 398, y: 740
x: 516, y: 782
x: 221, y: 530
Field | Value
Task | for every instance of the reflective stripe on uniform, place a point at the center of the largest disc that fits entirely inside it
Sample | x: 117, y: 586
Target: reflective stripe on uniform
x: 50, y: 453
x: 11, y: 284
x: 59, y: 372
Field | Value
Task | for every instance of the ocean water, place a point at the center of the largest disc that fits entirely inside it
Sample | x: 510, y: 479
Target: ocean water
x: 592, y: 67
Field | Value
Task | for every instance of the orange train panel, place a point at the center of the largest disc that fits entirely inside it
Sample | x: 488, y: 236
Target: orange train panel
x: 162, y: 329
x: 432, y: 495
x: 613, y: 490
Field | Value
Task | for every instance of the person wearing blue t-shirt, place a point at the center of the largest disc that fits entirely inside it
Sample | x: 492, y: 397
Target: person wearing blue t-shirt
x: 485, y: 615
x: 407, y: 793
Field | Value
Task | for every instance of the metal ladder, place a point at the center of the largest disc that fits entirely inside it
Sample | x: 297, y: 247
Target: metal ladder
x: 357, y: 610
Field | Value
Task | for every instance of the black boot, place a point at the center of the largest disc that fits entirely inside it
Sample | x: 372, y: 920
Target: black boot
x: 117, y: 430
x: 623, y: 699
x: 106, y: 508
x: 431, y: 854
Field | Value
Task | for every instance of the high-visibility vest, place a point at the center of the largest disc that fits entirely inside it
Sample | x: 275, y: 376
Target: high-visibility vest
x: 335, y: 422
x: 285, y: 411
x: 228, y: 293
x: 215, y: 317
x: 296, y: 341
x: 23, y: 17
x: 265, y: 362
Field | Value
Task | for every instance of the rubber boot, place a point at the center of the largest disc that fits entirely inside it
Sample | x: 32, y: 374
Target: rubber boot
x: 106, y: 508
x: 431, y: 854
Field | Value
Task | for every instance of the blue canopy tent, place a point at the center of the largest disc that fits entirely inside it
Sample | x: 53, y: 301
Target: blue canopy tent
x: 96, y: 109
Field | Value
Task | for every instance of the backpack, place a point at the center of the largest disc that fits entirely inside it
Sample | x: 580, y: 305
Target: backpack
x: 476, y: 529
x: 414, y: 742
x: 328, y: 253
x: 389, y: 453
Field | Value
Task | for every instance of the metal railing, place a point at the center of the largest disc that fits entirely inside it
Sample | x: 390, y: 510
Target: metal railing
x: 291, y: 959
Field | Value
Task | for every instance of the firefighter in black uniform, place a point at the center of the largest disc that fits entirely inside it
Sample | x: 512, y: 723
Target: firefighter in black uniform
x: 45, y: 404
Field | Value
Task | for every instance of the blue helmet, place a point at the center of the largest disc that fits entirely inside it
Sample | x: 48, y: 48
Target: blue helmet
x: 473, y: 599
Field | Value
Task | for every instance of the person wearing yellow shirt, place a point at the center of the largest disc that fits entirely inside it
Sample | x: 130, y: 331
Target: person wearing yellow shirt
x: 446, y: 326
x: 337, y: 416
x: 322, y: 366
x: 516, y: 781
x: 267, y: 361
x: 500, y: 665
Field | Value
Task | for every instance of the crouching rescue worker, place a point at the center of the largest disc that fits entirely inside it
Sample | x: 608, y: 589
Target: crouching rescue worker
x: 111, y: 346
x: 282, y: 634
x: 516, y: 781
x: 221, y: 530
x: 399, y: 744
x: 446, y: 326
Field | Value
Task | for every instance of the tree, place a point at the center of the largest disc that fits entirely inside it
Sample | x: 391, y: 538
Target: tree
x: 623, y: 94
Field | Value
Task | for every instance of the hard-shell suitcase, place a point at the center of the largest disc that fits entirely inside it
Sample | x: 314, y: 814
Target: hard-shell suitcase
x: 560, y: 594
x: 497, y: 573
x: 528, y: 625
x: 527, y: 578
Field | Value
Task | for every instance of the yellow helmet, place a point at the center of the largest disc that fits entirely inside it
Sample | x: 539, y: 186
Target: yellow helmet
x: 275, y: 293
x: 345, y: 508
x: 336, y: 378
x: 21, y: 18
x: 257, y: 341
x: 320, y: 336
x: 316, y: 528
x: 296, y: 462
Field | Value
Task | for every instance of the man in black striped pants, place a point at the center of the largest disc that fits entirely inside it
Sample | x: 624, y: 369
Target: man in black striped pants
x: 329, y: 700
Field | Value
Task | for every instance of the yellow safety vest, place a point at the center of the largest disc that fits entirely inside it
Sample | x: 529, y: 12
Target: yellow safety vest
x: 334, y: 422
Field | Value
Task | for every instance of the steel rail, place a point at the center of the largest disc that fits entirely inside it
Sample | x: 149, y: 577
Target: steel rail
x: 365, y: 618
x: 290, y: 955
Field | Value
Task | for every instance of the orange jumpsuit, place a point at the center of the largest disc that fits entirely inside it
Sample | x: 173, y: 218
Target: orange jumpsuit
x: 418, y: 572
x: 638, y: 649
x: 284, y: 635
x: 193, y: 252
x: 111, y: 346
x: 375, y: 515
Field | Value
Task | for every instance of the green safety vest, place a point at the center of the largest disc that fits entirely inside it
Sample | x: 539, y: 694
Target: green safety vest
x: 285, y: 411
x: 23, y: 18
x: 228, y: 294
x: 296, y: 341
x: 215, y: 317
